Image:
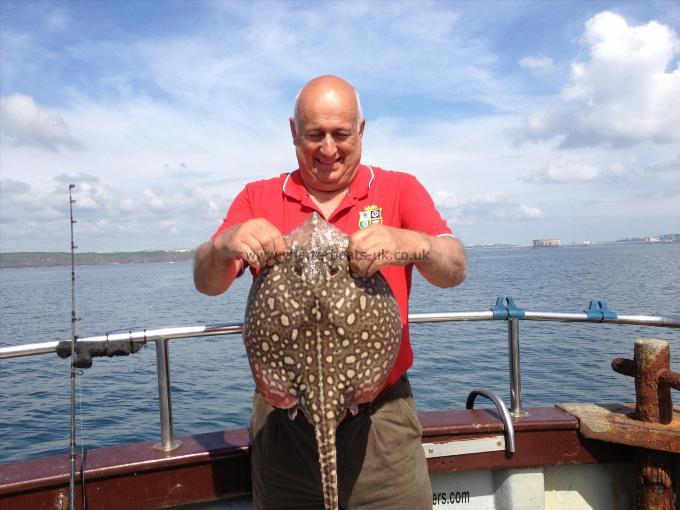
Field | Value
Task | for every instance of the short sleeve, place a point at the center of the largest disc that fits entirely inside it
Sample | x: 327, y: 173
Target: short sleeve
x: 239, y: 212
x: 418, y: 211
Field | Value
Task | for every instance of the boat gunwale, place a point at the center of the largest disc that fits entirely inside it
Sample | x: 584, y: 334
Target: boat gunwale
x: 543, y: 425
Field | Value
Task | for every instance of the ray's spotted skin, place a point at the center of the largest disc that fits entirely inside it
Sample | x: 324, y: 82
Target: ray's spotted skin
x: 318, y: 338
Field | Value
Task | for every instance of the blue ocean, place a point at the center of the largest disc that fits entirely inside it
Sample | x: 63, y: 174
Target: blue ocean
x: 211, y: 382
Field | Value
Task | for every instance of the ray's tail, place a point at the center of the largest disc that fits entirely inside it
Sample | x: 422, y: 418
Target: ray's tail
x: 325, y: 439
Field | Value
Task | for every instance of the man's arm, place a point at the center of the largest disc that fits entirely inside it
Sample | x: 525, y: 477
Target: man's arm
x: 213, y: 274
x: 219, y: 260
x: 441, y: 260
x: 447, y: 264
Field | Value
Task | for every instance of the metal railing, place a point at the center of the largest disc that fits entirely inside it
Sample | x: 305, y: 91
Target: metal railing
x: 505, y: 309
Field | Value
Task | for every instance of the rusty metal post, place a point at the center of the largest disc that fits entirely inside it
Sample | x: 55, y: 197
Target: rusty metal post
x: 653, y: 403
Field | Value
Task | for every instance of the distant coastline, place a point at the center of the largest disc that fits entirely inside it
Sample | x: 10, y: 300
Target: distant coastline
x: 556, y: 243
x: 51, y: 259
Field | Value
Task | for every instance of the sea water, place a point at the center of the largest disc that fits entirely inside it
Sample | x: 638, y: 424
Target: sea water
x: 210, y: 378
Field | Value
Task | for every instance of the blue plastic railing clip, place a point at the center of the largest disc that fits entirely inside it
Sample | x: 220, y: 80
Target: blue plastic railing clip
x: 505, y: 309
x: 597, y: 311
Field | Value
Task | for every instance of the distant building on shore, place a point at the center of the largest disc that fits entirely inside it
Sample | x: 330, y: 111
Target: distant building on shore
x: 669, y: 238
x: 546, y: 243
x: 654, y: 239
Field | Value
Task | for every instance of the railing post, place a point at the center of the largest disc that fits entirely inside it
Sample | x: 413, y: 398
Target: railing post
x: 167, y: 443
x: 515, y: 374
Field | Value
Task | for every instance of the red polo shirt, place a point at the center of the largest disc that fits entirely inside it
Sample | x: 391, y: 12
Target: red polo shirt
x: 395, y: 199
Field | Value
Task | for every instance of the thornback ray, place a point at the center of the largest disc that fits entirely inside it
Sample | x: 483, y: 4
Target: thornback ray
x: 319, y: 338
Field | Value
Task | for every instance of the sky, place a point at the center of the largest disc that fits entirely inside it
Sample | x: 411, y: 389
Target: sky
x: 524, y: 120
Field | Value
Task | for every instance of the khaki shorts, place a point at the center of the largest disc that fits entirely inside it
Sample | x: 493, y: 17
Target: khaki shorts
x: 381, y: 463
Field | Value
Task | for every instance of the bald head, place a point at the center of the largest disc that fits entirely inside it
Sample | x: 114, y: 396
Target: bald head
x: 331, y: 90
x: 327, y: 128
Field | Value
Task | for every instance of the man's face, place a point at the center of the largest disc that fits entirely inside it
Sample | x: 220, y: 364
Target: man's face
x: 328, y: 140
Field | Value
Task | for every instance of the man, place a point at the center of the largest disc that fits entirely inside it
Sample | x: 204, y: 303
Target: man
x: 393, y: 226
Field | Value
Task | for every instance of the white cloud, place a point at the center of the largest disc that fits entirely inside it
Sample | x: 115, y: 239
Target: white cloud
x: 154, y: 201
x: 530, y: 213
x: 168, y: 149
x: 57, y: 19
x: 109, y: 216
x: 92, y: 196
x: 26, y: 123
x: 449, y: 200
x: 670, y: 165
x: 489, y: 206
x: 11, y: 186
x: 25, y: 208
x: 424, y: 51
x: 626, y: 91
x: 565, y: 170
x: 536, y: 63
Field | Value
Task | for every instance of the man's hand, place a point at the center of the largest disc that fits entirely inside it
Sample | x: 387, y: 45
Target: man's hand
x: 441, y: 260
x: 218, y: 261
x: 378, y: 246
x: 256, y: 241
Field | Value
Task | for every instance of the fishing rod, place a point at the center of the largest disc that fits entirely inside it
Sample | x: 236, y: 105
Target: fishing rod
x: 74, y: 339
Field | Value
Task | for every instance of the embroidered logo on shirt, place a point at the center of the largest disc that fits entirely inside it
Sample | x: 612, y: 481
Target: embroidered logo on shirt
x: 371, y: 214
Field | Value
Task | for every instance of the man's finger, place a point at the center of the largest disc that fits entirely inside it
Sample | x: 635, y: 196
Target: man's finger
x: 277, y: 251
x: 373, y: 266
x: 273, y: 246
x: 360, y: 249
x: 362, y: 264
x: 255, y: 251
x: 280, y: 247
x: 355, y: 264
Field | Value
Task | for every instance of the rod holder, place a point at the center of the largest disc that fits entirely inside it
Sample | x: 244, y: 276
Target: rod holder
x: 167, y: 443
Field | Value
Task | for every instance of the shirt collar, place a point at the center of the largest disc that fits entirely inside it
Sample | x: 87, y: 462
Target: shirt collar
x: 292, y: 185
x: 361, y: 183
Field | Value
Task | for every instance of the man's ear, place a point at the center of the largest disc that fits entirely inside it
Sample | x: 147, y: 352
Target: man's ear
x: 293, y: 130
x: 361, y: 128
